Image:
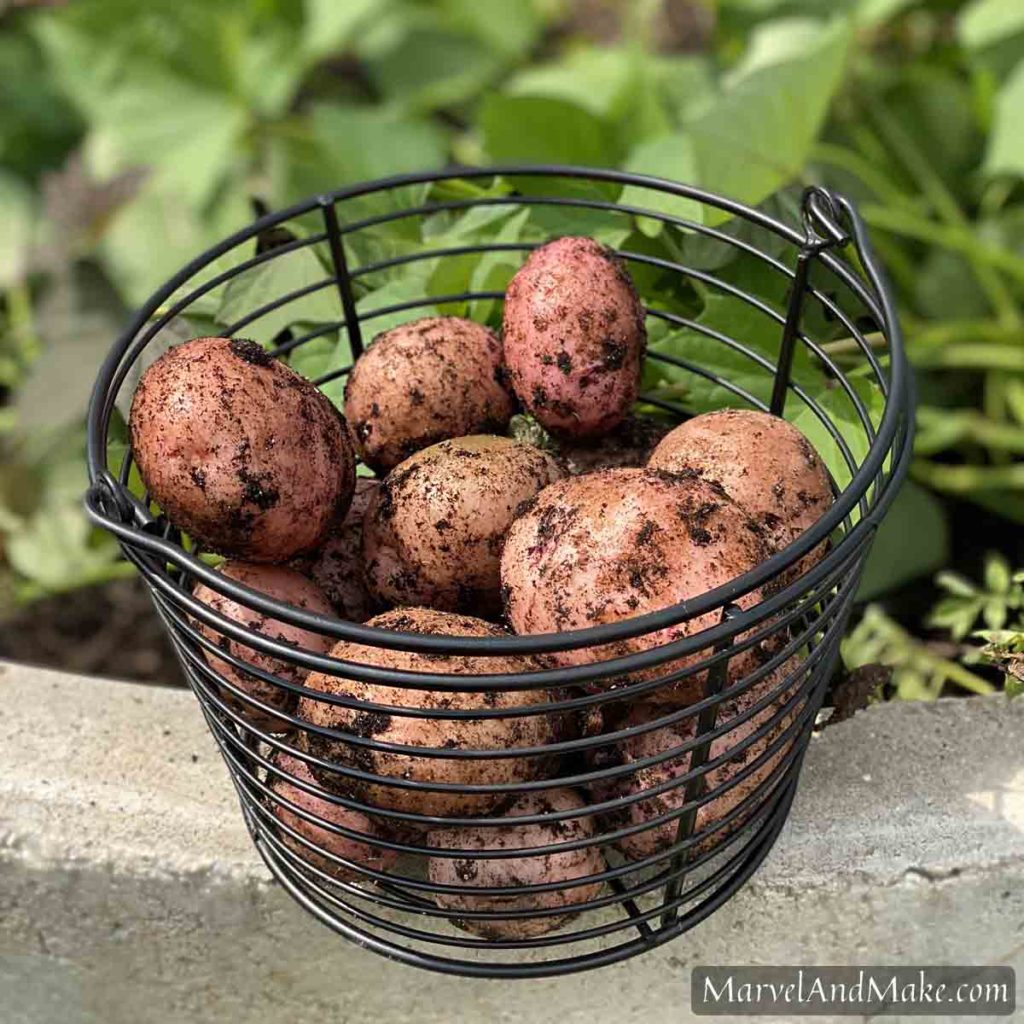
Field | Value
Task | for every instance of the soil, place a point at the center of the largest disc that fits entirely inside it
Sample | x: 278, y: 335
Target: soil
x: 111, y: 630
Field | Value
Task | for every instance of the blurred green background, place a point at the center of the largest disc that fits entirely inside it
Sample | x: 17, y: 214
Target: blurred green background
x: 134, y: 135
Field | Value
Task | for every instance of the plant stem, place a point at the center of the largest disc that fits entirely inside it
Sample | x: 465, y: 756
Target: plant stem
x: 968, y: 356
x: 853, y: 162
x: 966, y: 479
x: 951, y: 237
x: 954, y: 426
x: 944, y: 204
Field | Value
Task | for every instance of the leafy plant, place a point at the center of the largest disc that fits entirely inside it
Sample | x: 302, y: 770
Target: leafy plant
x: 919, y: 671
x: 133, y: 136
x: 924, y: 670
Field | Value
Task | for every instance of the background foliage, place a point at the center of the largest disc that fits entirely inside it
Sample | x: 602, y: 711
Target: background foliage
x: 134, y: 135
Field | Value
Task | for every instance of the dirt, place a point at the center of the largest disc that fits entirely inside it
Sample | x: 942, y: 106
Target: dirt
x: 110, y: 630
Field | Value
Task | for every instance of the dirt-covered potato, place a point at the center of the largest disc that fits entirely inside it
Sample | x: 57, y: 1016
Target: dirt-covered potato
x: 283, y: 585
x: 574, y: 337
x: 456, y: 734
x: 422, y: 382
x: 669, y: 737
x: 617, y: 543
x: 763, y: 462
x: 364, y: 854
x: 527, y: 869
x: 433, y: 533
x: 241, y: 452
x: 337, y: 566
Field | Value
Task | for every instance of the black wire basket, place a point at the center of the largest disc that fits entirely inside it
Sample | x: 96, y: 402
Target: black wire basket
x: 716, y: 797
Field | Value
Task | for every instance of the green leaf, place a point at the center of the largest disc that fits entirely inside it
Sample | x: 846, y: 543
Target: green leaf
x: 155, y: 234
x: 671, y: 157
x: 431, y: 68
x: 946, y: 288
x: 412, y: 288
x: 494, y: 270
x: 913, y: 541
x: 872, y: 13
x: 509, y: 27
x: 527, y: 129
x: 17, y: 217
x: 188, y: 136
x: 331, y: 26
x: 1006, y: 143
x: 38, y: 127
x: 684, y: 81
x: 838, y: 407
x: 736, y: 320
x: 50, y: 543
x: 276, y: 279
x: 757, y: 135
x: 997, y: 576
x: 345, y: 145
x: 361, y: 144
x: 593, y: 79
x: 321, y: 356
x: 985, y: 23
x: 774, y: 42
x: 77, y: 318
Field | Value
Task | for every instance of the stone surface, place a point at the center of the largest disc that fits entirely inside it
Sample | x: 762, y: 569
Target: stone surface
x: 129, y: 891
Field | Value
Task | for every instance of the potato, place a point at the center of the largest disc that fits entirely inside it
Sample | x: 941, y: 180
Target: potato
x: 669, y: 737
x: 763, y: 462
x: 337, y: 566
x: 574, y: 337
x: 364, y: 854
x: 241, y: 452
x: 283, y: 585
x: 629, y: 445
x: 423, y: 382
x: 617, y: 543
x: 456, y: 734
x: 433, y: 534
x: 527, y: 869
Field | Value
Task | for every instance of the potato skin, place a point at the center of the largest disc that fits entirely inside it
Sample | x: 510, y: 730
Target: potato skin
x: 461, y: 734
x: 618, y: 543
x: 376, y: 857
x: 434, y: 532
x: 337, y: 568
x: 574, y: 337
x: 284, y: 585
x: 763, y: 462
x: 517, y: 871
x: 240, y: 451
x: 668, y: 737
x: 423, y: 382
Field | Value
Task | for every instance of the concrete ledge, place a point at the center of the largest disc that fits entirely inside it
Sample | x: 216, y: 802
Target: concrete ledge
x: 129, y: 890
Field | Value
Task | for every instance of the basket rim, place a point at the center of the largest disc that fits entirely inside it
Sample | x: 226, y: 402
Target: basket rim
x: 893, y: 435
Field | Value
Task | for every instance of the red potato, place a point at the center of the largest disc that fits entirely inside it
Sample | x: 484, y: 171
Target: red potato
x: 574, y: 337
x: 433, y: 533
x: 361, y: 853
x: 423, y: 382
x: 660, y: 740
x: 283, y: 585
x: 527, y: 869
x: 617, y: 543
x: 241, y: 452
x: 337, y: 566
x: 456, y: 734
x: 762, y: 462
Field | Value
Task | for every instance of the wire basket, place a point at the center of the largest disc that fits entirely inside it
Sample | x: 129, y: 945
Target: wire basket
x: 715, y: 797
